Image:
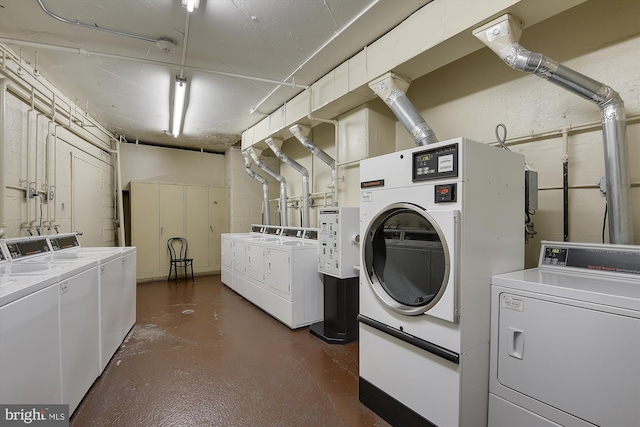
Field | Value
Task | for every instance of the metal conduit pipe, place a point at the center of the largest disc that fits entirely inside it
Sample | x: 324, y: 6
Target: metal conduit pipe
x: 4, y: 83
x: 301, y: 170
x: 391, y: 89
x: 283, y: 185
x: 265, y: 187
x: 297, y: 131
x: 501, y: 35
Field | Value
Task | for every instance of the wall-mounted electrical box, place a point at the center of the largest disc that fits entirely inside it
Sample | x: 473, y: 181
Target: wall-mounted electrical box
x: 338, y: 248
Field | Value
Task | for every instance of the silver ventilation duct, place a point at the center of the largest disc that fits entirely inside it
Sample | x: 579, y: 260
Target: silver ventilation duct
x: 275, y: 147
x: 391, y: 89
x: 281, y: 180
x: 299, y: 133
x: 265, y: 187
x: 501, y: 35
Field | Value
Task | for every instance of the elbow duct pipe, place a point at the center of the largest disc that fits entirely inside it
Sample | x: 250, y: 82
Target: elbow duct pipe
x: 501, y: 36
x: 296, y: 130
x: 302, y: 171
x: 4, y: 84
x: 391, y: 89
x: 280, y: 179
x: 265, y: 187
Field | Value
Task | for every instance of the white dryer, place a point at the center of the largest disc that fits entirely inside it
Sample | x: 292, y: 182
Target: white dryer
x: 565, y: 339
x: 437, y: 222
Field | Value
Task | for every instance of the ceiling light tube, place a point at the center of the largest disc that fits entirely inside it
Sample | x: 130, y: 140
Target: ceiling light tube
x: 179, y: 98
x: 190, y: 5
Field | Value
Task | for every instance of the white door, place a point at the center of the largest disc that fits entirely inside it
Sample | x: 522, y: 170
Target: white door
x: 255, y: 262
x: 171, y: 208
x: 88, y: 202
x: 197, y: 225
x: 145, y: 226
x: 278, y: 272
x: 218, y: 222
x: 240, y: 257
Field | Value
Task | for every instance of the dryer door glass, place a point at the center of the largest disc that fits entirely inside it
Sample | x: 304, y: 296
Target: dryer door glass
x: 405, y: 259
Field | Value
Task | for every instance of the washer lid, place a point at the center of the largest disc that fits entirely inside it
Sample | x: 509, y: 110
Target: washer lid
x: 61, y: 269
x: 16, y: 287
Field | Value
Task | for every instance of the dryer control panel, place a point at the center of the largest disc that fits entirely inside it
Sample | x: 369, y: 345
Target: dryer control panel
x: 435, y: 163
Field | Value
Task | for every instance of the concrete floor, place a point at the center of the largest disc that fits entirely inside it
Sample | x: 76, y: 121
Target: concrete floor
x: 201, y: 355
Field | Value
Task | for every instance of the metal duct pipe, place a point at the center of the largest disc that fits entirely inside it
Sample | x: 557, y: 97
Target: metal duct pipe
x: 501, y: 36
x: 391, y: 89
x: 298, y: 132
x: 298, y: 168
x: 4, y: 83
x: 265, y: 187
x: 281, y: 180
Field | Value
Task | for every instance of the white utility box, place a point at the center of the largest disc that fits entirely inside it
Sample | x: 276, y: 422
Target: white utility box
x: 338, y: 249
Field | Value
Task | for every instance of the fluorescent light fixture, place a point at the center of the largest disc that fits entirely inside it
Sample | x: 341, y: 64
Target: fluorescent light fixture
x: 179, y: 97
x: 190, y: 5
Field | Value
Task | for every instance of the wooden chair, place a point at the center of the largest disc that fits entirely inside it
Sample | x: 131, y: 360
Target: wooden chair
x: 178, y: 248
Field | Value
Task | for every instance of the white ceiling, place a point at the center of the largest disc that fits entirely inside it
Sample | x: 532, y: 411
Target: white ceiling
x: 267, y: 39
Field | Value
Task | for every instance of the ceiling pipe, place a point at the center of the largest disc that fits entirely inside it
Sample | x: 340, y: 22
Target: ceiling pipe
x: 4, y: 84
x: 391, y: 89
x: 301, y: 134
x: 89, y: 53
x: 283, y: 185
x: 275, y: 144
x: 94, y: 26
x: 501, y: 35
x: 265, y: 187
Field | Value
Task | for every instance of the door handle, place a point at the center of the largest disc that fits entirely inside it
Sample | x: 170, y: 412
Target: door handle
x: 515, y: 343
x: 161, y: 230
x: 211, y: 228
x: 269, y: 266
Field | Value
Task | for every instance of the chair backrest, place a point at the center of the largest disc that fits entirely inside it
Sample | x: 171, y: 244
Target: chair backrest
x: 178, y: 247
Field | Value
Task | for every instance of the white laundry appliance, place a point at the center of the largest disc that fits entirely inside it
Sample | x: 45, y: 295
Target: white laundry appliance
x: 111, y: 289
x: 565, y: 339
x: 77, y: 287
x: 29, y: 339
x: 437, y: 221
x: 120, y: 302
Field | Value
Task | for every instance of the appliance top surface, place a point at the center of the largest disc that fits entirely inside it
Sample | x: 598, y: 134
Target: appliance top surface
x: 101, y: 256
x: 622, y: 292
x: 33, y: 266
x: 15, y: 287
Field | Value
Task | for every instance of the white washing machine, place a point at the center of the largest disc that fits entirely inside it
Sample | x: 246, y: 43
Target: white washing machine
x: 565, y: 339
x: 110, y: 284
x: 121, y: 302
x: 437, y: 222
x: 78, y: 315
x: 29, y: 339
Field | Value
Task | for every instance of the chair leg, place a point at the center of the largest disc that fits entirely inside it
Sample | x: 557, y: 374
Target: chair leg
x: 170, y: 269
x: 192, y: 279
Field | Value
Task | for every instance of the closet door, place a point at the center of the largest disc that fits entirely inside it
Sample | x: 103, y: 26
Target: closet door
x: 197, y: 225
x: 145, y: 223
x: 171, y: 209
x: 218, y: 223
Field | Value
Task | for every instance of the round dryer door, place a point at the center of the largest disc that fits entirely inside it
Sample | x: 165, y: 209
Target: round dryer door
x: 406, y: 258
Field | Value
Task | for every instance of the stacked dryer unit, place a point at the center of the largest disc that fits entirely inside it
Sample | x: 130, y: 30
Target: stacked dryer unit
x: 77, y: 297
x: 437, y: 221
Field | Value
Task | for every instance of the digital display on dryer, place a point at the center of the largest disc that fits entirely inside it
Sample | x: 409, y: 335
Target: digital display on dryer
x: 436, y: 163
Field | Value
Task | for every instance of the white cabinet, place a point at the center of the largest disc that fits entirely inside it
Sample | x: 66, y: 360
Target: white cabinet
x: 30, y: 349
x: 160, y: 211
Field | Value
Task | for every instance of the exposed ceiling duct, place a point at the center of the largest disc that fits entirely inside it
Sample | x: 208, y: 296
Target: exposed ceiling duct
x: 265, y: 187
x: 279, y: 178
x: 501, y: 35
x: 301, y: 135
x: 391, y: 89
x: 275, y: 147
